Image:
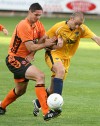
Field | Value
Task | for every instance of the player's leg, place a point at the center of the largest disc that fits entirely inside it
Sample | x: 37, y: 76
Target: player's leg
x: 12, y: 95
x: 18, y: 69
x: 36, y: 102
x: 56, y: 65
x: 57, y: 80
x: 59, y: 73
x: 50, y: 62
x: 60, y: 70
x: 34, y: 73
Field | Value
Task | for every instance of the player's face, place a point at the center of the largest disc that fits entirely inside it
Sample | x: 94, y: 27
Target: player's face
x: 34, y: 16
x: 76, y: 23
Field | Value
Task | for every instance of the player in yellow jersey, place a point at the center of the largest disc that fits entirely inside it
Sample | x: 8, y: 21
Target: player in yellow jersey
x: 69, y: 34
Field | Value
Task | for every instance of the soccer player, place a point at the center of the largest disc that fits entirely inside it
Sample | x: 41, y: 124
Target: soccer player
x: 69, y: 33
x: 28, y: 37
x: 3, y: 29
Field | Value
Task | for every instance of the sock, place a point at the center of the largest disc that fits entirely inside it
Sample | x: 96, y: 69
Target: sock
x: 37, y: 101
x: 42, y: 97
x: 47, y: 92
x: 11, y: 97
x: 57, y: 85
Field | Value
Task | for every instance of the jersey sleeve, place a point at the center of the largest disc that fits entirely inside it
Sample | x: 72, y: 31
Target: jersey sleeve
x: 29, y: 33
x: 86, y: 32
x: 24, y: 32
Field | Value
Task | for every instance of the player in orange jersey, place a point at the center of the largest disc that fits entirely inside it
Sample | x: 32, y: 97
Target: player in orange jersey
x: 69, y: 34
x: 3, y: 29
x: 28, y: 37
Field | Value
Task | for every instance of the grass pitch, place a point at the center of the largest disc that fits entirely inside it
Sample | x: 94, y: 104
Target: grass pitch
x: 81, y: 91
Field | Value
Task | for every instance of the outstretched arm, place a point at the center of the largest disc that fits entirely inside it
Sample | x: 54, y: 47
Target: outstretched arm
x: 96, y: 39
x: 3, y: 29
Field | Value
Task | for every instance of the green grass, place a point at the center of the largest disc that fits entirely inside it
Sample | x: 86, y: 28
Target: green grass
x: 81, y: 91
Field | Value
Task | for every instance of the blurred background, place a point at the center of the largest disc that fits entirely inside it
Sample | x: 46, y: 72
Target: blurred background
x: 51, y: 7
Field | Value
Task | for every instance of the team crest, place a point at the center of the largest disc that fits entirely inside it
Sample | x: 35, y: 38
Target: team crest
x: 24, y: 62
x: 57, y: 58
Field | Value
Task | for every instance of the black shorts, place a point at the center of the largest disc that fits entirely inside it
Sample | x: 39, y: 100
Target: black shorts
x: 18, y: 66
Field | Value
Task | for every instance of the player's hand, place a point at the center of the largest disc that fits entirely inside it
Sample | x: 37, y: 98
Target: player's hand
x: 5, y: 31
x: 30, y: 57
x: 50, y: 42
x: 60, y: 42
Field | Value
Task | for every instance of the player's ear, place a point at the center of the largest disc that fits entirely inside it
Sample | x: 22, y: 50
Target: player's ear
x: 30, y: 12
x: 71, y: 18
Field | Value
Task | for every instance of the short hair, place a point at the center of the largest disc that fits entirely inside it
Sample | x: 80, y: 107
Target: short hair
x: 35, y: 6
x: 78, y: 14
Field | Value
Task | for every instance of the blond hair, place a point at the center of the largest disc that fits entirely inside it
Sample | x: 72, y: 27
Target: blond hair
x: 78, y: 14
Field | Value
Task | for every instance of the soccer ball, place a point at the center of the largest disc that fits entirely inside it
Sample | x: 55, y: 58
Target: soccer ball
x: 55, y: 101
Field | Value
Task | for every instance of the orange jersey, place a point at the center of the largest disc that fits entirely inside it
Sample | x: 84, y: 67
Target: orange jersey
x: 24, y: 32
x: 1, y: 27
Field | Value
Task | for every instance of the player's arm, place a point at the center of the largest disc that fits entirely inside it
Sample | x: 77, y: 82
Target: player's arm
x: 34, y: 47
x: 3, y: 29
x: 87, y: 33
x: 42, y: 39
x: 30, y: 57
x: 43, y: 43
x: 96, y: 39
x: 58, y: 44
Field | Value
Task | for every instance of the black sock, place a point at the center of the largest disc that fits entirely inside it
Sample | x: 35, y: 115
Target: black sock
x: 38, y: 103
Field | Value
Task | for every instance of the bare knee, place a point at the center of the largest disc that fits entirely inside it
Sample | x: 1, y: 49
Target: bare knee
x: 20, y: 88
x: 59, y: 69
x: 20, y: 92
x: 40, y: 78
x: 60, y: 72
